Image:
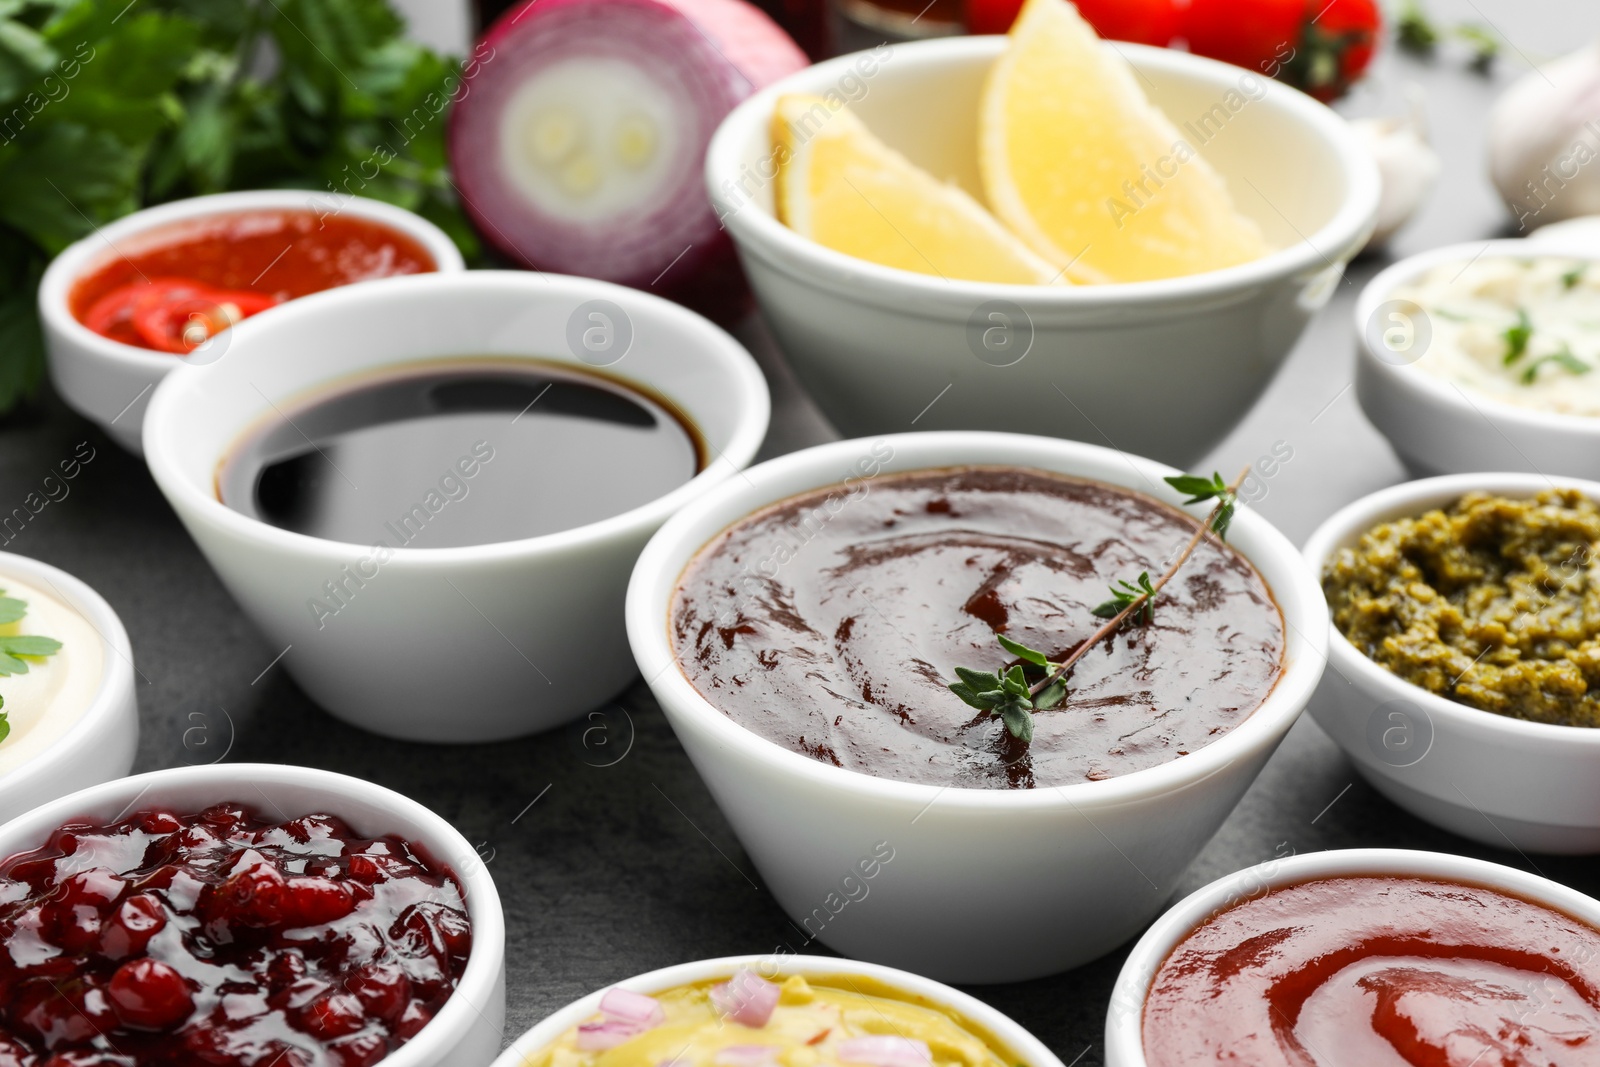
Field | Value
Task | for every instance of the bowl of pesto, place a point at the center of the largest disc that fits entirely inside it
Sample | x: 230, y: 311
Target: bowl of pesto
x: 1485, y: 356
x: 1464, y: 678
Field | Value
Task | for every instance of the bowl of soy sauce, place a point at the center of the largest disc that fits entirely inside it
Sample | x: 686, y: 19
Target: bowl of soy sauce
x: 431, y: 490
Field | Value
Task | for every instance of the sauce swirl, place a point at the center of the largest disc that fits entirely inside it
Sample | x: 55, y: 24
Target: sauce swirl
x: 1381, y: 972
x: 830, y: 623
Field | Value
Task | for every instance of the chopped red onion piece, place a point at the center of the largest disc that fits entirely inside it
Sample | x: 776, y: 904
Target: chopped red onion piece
x: 745, y: 1055
x: 885, y: 1050
x: 627, y: 1006
x: 607, y: 1033
x: 746, y: 998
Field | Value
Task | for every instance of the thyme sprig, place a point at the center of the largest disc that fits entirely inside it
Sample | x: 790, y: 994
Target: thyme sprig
x: 1035, y: 683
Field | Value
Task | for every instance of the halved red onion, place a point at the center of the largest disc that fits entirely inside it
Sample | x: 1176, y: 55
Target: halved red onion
x: 578, y: 139
x: 885, y: 1050
x: 746, y: 998
x: 745, y: 1055
x: 625, y: 1005
x: 607, y: 1033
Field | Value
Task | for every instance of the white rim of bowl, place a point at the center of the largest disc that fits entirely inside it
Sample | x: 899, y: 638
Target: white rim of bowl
x: 444, y: 844
x: 1345, y: 526
x: 76, y: 260
x: 753, y: 405
x: 116, y: 673
x: 1000, y: 1026
x: 1386, y: 282
x: 1125, y: 1028
x: 658, y: 662
x: 1341, y: 231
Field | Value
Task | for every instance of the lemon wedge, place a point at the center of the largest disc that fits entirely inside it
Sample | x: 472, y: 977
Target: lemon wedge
x: 843, y: 188
x: 1082, y: 167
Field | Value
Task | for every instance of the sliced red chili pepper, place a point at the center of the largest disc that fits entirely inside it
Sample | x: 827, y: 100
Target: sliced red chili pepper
x: 112, y: 315
x: 177, y: 315
x: 171, y: 314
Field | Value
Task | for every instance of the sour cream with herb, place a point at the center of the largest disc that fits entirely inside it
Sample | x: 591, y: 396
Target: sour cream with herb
x: 1520, y: 330
x: 44, y: 702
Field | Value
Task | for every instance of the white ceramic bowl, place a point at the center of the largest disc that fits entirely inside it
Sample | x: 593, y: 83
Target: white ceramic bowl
x: 467, y: 1030
x: 1125, y: 1018
x: 1495, y: 779
x: 1437, y: 427
x: 109, y: 382
x: 878, y: 347
x: 1030, y: 1051
x: 444, y: 644
x: 102, y: 744
x: 1088, y: 863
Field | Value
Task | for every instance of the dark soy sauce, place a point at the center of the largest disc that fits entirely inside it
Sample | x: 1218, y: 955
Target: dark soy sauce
x: 454, y: 454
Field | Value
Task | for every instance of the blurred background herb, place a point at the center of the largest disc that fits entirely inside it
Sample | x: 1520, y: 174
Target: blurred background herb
x: 107, y: 106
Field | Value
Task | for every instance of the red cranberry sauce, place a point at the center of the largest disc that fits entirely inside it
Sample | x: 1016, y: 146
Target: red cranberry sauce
x: 222, y: 938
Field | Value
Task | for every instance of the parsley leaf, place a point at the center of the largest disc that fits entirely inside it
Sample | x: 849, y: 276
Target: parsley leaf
x: 1516, y: 337
x: 104, y: 110
x: 1562, y: 358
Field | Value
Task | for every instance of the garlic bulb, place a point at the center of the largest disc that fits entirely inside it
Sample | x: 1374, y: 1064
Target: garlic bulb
x: 1544, y: 141
x: 1407, y: 165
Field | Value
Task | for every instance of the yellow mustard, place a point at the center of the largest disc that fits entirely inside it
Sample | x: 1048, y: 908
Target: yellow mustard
x: 811, y: 1021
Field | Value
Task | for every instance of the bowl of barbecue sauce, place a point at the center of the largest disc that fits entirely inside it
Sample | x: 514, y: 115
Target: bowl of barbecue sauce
x: 429, y: 492
x: 1379, y: 957
x: 802, y: 625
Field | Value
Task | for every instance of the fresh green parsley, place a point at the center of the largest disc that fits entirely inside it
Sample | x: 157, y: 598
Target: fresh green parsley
x: 1571, y: 278
x: 106, y: 107
x: 1562, y: 358
x: 16, y: 646
x: 1516, y: 337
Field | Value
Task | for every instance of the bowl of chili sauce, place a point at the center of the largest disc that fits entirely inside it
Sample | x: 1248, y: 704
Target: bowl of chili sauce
x: 123, y: 306
x: 1382, y: 957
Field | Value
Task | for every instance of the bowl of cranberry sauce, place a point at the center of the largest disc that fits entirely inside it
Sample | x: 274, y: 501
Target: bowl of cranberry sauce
x: 165, y: 285
x: 242, y: 916
x: 1383, y: 958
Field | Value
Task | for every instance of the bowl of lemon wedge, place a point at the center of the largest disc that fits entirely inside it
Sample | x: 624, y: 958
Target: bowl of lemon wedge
x: 1042, y: 232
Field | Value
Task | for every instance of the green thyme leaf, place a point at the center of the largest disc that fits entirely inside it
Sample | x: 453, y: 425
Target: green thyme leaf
x: 1516, y: 337
x: 1224, y: 516
x: 1199, y: 489
x: 1016, y: 682
x: 1022, y: 652
x: 1051, y: 695
x: 969, y: 696
x: 1018, y: 718
x: 980, y: 681
x: 5, y: 726
x: 1571, y: 278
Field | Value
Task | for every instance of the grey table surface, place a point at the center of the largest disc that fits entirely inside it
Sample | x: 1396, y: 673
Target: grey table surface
x: 608, y: 871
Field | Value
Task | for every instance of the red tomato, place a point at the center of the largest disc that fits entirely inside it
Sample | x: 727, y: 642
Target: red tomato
x: 171, y: 314
x: 1321, y: 46
x: 1145, y: 21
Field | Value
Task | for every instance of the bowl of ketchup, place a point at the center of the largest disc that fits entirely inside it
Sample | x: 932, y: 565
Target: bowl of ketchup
x: 1377, y: 957
x: 164, y: 286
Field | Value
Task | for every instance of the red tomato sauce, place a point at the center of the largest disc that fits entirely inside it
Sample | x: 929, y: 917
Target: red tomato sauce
x: 1379, y: 972
x: 172, y: 288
